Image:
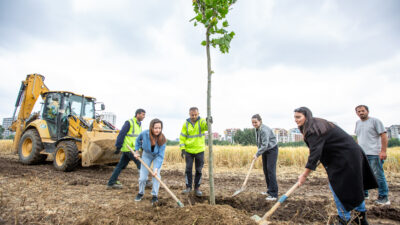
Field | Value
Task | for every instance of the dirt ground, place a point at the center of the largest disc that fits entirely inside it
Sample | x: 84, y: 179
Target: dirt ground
x: 38, y: 194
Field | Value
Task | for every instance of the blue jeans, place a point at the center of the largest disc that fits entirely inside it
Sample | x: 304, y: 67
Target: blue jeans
x: 376, y: 165
x: 148, y: 158
x: 123, y: 162
x: 342, y: 211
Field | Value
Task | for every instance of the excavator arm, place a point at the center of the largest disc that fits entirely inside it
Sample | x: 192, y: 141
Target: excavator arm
x: 29, y: 92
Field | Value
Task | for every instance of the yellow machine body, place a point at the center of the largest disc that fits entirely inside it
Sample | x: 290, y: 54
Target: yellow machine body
x: 70, y: 135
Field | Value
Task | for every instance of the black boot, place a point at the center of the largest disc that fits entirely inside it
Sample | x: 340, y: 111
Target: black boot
x: 361, y: 218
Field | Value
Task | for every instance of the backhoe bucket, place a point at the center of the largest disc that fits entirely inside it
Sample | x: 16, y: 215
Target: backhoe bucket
x: 98, y: 148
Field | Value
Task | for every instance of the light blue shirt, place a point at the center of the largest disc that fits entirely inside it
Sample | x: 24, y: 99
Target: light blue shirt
x: 143, y: 142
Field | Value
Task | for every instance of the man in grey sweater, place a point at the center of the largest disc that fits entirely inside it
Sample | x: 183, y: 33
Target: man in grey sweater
x: 268, y: 149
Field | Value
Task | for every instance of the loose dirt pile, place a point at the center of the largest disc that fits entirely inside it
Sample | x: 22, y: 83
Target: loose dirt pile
x: 41, y: 195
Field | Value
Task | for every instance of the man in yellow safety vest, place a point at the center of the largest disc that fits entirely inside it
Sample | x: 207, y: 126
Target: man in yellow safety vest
x: 126, y: 137
x: 192, y: 145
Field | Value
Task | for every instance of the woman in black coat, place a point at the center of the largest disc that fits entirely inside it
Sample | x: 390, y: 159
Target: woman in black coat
x: 347, y: 167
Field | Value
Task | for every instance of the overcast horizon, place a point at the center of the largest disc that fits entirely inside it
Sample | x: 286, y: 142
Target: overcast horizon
x: 327, y: 55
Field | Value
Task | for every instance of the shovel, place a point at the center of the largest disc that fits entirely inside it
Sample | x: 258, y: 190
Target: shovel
x: 180, y: 204
x: 245, y: 180
x: 263, y: 220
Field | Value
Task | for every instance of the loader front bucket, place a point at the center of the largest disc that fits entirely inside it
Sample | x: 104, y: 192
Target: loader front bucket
x: 98, y: 148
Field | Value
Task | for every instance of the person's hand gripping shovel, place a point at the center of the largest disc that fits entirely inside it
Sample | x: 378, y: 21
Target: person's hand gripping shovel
x: 263, y: 220
x: 180, y: 204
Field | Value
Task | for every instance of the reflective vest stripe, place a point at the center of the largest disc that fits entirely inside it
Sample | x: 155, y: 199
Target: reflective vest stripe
x: 133, y: 130
x: 193, y: 136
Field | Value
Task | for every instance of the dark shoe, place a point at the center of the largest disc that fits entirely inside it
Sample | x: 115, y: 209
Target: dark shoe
x: 154, y: 200
x: 149, y: 184
x: 187, y: 191
x: 361, y: 219
x: 382, y: 200
x: 138, y: 197
x: 114, y: 186
x: 198, y: 193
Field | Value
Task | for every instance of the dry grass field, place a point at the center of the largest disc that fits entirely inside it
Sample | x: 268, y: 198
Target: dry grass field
x: 38, y: 194
x: 241, y: 156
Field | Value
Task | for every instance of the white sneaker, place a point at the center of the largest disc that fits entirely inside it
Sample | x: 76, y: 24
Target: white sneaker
x: 382, y: 200
x: 264, y: 193
x: 270, y: 198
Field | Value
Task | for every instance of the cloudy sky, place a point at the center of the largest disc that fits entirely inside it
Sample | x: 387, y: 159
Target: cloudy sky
x: 324, y: 54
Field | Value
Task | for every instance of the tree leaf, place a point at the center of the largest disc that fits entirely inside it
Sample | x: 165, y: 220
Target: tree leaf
x: 225, y: 24
x: 209, y: 13
x: 204, y: 43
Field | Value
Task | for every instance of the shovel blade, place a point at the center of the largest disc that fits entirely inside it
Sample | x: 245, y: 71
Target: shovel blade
x: 237, y: 192
x: 256, y: 218
x: 259, y: 220
x: 180, y: 204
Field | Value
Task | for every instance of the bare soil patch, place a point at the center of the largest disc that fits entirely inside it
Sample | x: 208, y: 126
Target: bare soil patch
x: 39, y: 194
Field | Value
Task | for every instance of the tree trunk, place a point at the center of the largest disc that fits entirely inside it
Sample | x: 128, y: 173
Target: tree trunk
x: 210, y: 138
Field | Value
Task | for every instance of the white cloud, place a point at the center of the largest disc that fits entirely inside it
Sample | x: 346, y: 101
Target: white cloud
x: 168, y: 74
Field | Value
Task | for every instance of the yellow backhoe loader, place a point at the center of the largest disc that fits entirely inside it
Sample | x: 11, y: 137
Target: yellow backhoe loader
x: 66, y: 128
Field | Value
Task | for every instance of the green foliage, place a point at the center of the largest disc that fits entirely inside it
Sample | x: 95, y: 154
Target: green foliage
x: 211, y: 13
x: 10, y: 137
x: 1, y: 132
x: 292, y: 144
x: 248, y: 137
x: 354, y: 137
x: 169, y: 142
x: 393, y: 142
x: 218, y: 142
x: 245, y: 137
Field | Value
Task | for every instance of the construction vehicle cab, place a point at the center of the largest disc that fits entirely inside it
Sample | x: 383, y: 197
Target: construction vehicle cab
x: 59, y: 107
x: 67, y: 128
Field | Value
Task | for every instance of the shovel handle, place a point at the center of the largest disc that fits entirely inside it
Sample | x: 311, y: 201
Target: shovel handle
x: 279, y: 202
x: 159, y: 180
x: 248, y: 174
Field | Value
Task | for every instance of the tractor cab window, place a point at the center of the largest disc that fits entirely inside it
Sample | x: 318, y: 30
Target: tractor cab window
x: 74, y: 106
x: 52, y: 105
x: 88, y: 111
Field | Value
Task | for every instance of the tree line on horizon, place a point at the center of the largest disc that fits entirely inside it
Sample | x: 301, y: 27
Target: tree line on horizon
x: 246, y: 137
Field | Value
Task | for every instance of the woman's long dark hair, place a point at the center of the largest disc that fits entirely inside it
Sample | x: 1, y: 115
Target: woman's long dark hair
x: 160, y: 139
x: 313, y: 124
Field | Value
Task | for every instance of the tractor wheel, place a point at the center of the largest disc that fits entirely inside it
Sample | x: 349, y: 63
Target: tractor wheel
x: 66, y: 156
x: 29, y: 148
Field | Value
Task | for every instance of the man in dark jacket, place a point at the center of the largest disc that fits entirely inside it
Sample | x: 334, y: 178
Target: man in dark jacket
x: 126, y: 137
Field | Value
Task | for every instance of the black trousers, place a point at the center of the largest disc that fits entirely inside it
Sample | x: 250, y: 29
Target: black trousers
x: 269, y: 159
x: 199, y: 163
x: 126, y: 157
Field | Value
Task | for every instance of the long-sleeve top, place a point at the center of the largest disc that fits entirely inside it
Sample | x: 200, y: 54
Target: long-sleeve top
x: 345, y: 163
x: 143, y: 142
x: 192, y: 137
x: 122, y: 133
x: 265, y: 139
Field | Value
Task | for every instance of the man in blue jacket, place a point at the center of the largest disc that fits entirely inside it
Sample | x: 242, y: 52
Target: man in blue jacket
x: 126, y: 137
